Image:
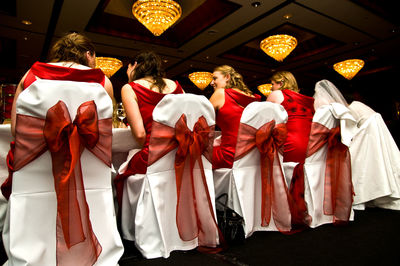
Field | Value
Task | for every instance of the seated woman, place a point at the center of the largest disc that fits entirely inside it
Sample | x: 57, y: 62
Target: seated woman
x: 300, y: 111
x: 229, y: 99
x: 375, y: 157
x: 146, y: 87
x: 73, y: 51
x: 61, y: 161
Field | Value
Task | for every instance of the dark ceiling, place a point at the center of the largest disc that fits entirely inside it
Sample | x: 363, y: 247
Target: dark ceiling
x: 216, y: 32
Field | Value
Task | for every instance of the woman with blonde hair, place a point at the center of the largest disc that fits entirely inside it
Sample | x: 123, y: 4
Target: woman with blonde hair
x: 229, y: 99
x: 300, y: 109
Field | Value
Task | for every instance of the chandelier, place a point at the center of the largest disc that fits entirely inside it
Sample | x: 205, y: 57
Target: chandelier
x: 278, y: 46
x: 349, y: 68
x: 157, y: 15
x: 201, y: 79
x: 108, y: 65
x: 265, y: 89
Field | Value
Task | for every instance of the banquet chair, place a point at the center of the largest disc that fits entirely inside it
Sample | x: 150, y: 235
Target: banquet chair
x: 5, y: 139
x: 328, y: 189
x: 61, y: 210
x: 375, y: 160
x: 255, y: 185
x: 171, y: 206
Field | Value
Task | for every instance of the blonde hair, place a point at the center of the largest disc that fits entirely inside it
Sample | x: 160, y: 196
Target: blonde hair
x: 72, y: 48
x: 235, y: 81
x: 287, y: 79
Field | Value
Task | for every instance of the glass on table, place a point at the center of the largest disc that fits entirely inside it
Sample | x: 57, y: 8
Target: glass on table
x: 121, y: 114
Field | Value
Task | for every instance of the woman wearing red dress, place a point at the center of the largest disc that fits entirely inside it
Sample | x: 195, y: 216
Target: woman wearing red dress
x: 146, y: 88
x: 229, y: 99
x: 300, y: 109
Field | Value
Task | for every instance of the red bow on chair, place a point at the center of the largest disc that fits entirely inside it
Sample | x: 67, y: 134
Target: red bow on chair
x: 194, y: 210
x: 268, y: 139
x: 66, y: 141
x: 338, y: 195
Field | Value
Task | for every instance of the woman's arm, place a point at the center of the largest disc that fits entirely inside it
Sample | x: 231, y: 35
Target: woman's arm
x: 218, y: 99
x: 275, y: 97
x: 109, y: 87
x: 129, y: 100
x: 19, y: 89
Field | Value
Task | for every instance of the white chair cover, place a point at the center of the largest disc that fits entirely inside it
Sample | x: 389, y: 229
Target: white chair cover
x: 243, y: 181
x: 5, y: 139
x: 29, y: 233
x: 375, y: 161
x: 330, y: 116
x: 148, y: 213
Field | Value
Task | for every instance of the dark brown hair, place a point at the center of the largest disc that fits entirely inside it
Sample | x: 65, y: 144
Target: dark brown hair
x: 72, y: 48
x: 149, y: 64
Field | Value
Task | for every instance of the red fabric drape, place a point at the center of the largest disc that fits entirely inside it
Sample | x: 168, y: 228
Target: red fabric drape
x: 66, y: 141
x: 268, y: 139
x: 7, y: 184
x: 194, y: 209
x: 338, y: 188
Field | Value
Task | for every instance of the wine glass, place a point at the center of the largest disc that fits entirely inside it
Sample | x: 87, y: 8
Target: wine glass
x: 121, y: 113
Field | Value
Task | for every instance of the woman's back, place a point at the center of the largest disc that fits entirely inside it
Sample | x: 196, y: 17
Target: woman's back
x: 228, y: 119
x: 300, y: 109
x: 148, y: 99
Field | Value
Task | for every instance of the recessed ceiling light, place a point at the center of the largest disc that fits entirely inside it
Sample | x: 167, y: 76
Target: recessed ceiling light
x: 256, y: 4
x: 287, y: 16
x: 26, y: 22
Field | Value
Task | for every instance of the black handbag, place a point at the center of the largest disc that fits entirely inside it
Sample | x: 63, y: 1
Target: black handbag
x: 230, y: 223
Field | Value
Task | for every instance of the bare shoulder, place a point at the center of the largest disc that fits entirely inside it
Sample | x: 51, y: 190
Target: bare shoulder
x: 170, y: 85
x: 275, y: 96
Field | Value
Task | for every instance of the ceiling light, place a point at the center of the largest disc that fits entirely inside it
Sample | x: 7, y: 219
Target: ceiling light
x: 256, y: 4
x: 278, y: 46
x: 287, y: 16
x: 108, y: 65
x: 26, y: 22
x: 201, y: 79
x: 349, y: 68
x: 157, y: 15
x: 265, y: 89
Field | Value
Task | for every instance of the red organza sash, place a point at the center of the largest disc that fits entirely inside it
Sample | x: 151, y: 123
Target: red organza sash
x: 338, y: 188
x: 268, y: 139
x: 194, y: 209
x: 66, y: 141
x: 7, y: 184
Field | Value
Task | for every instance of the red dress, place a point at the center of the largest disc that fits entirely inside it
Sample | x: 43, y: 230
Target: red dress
x: 228, y: 119
x: 147, y: 101
x: 300, y: 109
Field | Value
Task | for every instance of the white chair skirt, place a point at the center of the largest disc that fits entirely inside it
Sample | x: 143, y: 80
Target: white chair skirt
x: 148, y: 214
x: 29, y: 233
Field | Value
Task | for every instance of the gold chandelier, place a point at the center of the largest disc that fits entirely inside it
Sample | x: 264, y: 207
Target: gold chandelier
x: 108, y: 65
x: 157, y: 15
x: 201, y: 79
x: 265, y: 89
x: 278, y: 46
x: 349, y: 68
